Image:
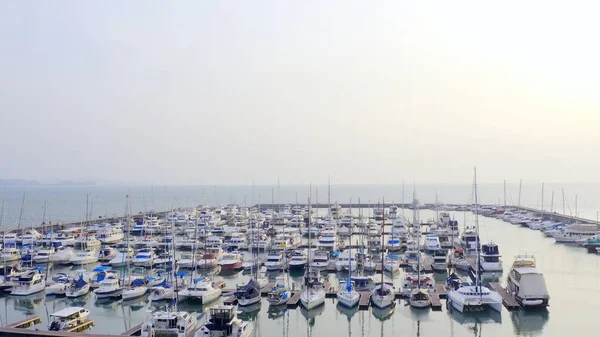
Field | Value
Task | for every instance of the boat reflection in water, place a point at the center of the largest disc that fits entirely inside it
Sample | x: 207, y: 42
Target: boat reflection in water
x: 383, y: 314
x: 487, y: 316
x: 249, y: 312
x: 348, y: 312
x: 136, y: 304
x: 529, y: 322
x: 312, y: 313
x: 276, y: 312
x: 27, y: 304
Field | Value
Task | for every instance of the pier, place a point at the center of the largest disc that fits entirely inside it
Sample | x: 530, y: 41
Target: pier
x: 509, y: 302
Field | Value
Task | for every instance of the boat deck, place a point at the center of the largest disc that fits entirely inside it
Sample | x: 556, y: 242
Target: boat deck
x: 231, y: 300
x: 509, y: 302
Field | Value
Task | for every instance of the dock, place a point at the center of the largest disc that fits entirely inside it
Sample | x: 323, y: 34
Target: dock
x: 365, y: 300
x: 231, y: 300
x: 266, y: 289
x: 508, y: 301
x: 25, y: 323
x: 294, y: 300
x: 135, y: 331
x: 436, y: 303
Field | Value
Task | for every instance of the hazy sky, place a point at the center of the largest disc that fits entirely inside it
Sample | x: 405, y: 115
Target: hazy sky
x: 230, y: 92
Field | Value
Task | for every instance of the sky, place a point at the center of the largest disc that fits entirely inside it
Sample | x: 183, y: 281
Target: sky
x: 231, y: 92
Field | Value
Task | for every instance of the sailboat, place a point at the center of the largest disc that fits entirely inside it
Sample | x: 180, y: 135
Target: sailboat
x: 314, y: 294
x: 475, y: 297
x: 383, y: 295
x: 419, y: 297
x: 347, y: 295
x: 280, y: 293
x: 137, y: 288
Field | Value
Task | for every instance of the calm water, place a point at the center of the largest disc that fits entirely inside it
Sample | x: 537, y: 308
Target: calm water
x: 68, y: 203
x: 572, y: 277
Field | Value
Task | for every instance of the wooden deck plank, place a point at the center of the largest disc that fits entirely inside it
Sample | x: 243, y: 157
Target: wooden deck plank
x: 294, y: 300
x: 436, y: 303
x: 25, y: 323
x: 230, y: 300
x: 266, y: 289
x: 509, y: 302
x: 365, y: 300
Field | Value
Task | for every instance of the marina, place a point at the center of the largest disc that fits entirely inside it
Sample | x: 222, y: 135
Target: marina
x: 226, y: 280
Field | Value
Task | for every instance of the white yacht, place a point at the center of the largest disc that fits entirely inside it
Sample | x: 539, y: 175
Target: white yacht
x: 62, y: 255
x: 63, y: 238
x: 31, y: 283
x: 275, y: 260
x: 87, y: 241
x: 106, y: 254
x: 299, y: 260
x: 43, y: 256
x: 10, y: 254
x: 85, y: 257
x: 432, y: 243
x: 328, y: 239
x: 238, y: 242
x: 201, y: 289
x: 109, y: 287
x: 170, y: 323
x: 144, y: 258
x: 109, y: 235
x: 347, y: 294
x: 440, y: 260
x: 320, y: 259
x: 393, y: 244
x: 576, y: 232
x: 124, y: 256
x: 345, y: 261
x: 490, y: 257
x: 527, y: 284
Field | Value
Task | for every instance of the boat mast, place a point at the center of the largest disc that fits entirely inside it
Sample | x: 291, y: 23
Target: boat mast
x: 504, y: 193
x: 3, y: 224
x: 542, y: 197
x: 520, y: 186
x: 350, y: 245
x: 21, y: 214
x: 552, y: 203
x: 563, y: 200
x: 382, y: 245
x: 478, y: 285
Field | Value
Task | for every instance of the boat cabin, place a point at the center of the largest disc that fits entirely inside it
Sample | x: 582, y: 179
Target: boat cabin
x: 68, y: 318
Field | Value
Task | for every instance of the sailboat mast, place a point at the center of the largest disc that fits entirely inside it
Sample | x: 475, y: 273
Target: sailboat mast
x: 520, y: 188
x: 350, y: 245
x: 478, y: 286
x: 552, y: 203
x: 542, y: 197
x: 21, y: 214
x: 504, y: 193
x: 382, y: 243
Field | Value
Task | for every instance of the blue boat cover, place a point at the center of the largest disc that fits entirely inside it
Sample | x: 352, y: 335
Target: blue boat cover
x: 81, y: 282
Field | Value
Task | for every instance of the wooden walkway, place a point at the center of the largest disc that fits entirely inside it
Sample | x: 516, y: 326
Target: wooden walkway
x: 441, y: 290
x: 219, y: 284
x: 266, y: 289
x: 436, y: 303
x: 232, y: 300
x: 365, y: 300
x: 509, y: 302
x: 294, y: 299
x: 25, y: 323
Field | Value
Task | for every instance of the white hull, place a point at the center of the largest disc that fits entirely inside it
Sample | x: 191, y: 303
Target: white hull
x: 348, y: 298
x: 248, y: 301
x: 420, y: 303
x: 310, y: 299
x: 84, y: 261
x: 56, y: 289
x: 203, y: 296
x: 77, y: 292
x: 25, y: 291
x: 134, y: 292
x: 161, y: 294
